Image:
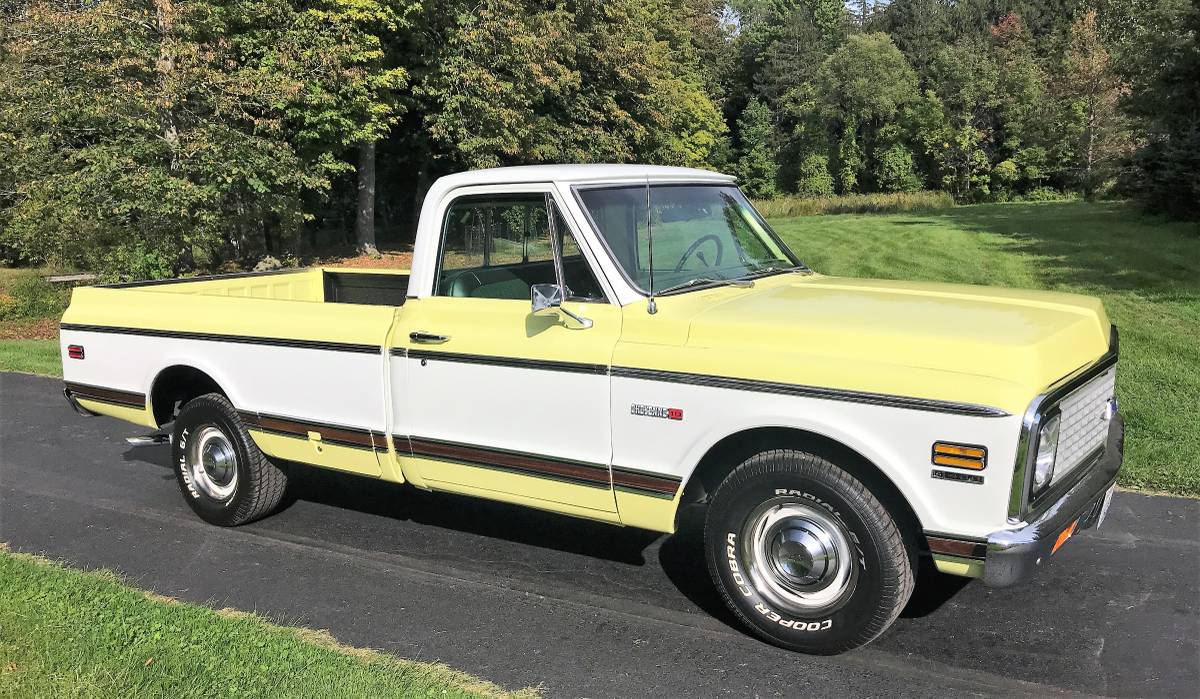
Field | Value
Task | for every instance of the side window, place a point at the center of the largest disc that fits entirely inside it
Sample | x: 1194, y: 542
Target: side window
x: 578, y: 277
x: 498, y: 246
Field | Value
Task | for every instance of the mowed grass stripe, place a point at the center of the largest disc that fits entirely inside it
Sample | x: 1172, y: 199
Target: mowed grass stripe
x: 68, y: 633
x: 1147, y: 271
x: 31, y: 357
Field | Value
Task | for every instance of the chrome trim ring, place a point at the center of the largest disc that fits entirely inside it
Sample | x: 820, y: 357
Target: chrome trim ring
x: 798, y: 556
x: 212, y: 462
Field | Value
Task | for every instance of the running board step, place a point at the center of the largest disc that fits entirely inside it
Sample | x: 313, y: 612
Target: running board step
x: 148, y: 440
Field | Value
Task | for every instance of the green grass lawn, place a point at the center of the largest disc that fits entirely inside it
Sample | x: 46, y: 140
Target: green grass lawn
x: 31, y: 357
x: 67, y: 633
x: 1146, y: 271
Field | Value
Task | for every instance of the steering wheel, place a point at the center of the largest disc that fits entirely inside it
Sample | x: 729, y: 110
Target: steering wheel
x: 692, y: 250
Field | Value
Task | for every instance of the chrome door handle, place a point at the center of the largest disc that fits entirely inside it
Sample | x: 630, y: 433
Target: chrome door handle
x: 427, y: 338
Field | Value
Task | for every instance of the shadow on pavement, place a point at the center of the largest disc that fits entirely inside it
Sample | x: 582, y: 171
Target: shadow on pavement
x: 681, y: 555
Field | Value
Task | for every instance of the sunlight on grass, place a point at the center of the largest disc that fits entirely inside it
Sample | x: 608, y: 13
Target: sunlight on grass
x: 67, y: 633
x: 1146, y: 271
x: 31, y: 357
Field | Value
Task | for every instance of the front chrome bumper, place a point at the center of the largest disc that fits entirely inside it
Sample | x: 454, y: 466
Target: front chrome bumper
x: 1013, y: 555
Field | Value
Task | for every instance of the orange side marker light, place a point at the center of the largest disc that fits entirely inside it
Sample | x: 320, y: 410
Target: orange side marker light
x: 1063, y: 536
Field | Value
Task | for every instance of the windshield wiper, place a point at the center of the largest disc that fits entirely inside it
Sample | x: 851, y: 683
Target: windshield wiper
x: 776, y: 270
x: 745, y: 283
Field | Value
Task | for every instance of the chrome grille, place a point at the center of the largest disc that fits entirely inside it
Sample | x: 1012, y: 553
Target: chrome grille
x: 1084, y: 427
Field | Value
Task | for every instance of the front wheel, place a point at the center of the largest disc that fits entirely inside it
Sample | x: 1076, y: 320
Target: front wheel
x: 804, y: 554
x: 224, y: 477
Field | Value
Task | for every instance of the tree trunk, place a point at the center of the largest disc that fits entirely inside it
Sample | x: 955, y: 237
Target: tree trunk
x: 364, y: 224
x: 1089, y: 172
x: 164, y: 12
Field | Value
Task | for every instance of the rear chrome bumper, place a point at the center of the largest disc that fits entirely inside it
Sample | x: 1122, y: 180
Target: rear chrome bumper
x: 1013, y: 555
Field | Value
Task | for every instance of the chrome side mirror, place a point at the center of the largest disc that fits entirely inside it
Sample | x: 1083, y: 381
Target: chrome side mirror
x: 547, y: 296
x: 543, y: 296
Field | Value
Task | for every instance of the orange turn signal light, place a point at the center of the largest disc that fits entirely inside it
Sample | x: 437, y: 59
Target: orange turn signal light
x: 966, y: 456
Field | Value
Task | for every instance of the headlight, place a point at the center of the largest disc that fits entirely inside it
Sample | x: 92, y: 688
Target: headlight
x: 1047, y: 450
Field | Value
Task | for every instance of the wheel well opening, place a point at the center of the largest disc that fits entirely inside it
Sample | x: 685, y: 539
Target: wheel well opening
x: 175, y: 386
x: 731, y: 451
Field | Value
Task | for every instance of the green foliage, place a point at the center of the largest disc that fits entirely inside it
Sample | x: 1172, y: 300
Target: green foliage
x: 866, y: 81
x: 862, y: 87
x: 1093, y: 90
x: 849, y: 162
x: 896, y: 171
x: 189, y: 132
x: 1004, y: 175
x: 585, y: 81
x: 124, y: 262
x: 756, y: 166
x: 901, y: 202
x: 1159, y: 56
x: 1044, y: 194
x: 30, y: 296
x: 815, y: 180
x: 154, y: 137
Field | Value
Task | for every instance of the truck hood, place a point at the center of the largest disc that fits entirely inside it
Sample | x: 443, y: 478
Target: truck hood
x: 1030, y: 338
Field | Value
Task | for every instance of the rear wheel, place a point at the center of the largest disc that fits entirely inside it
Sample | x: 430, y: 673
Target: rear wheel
x: 224, y: 477
x: 804, y: 554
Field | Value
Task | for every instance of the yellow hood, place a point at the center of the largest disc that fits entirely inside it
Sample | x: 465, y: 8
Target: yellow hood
x: 1031, y: 338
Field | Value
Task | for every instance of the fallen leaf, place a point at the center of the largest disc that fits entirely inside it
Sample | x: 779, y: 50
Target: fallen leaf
x: 149, y: 662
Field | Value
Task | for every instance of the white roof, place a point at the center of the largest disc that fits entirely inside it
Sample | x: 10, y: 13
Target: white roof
x: 579, y: 173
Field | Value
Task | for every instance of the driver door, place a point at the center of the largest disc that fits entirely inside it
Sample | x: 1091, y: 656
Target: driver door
x: 496, y: 400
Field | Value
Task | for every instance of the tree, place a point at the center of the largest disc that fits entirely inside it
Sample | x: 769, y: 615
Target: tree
x: 919, y: 28
x: 862, y: 87
x: 756, y: 166
x: 1167, y: 101
x: 1094, y: 90
x: 587, y: 81
x: 154, y: 136
x: 965, y: 77
x: 1020, y: 85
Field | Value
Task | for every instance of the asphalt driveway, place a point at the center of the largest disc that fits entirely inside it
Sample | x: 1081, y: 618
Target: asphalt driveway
x: 582, y: 609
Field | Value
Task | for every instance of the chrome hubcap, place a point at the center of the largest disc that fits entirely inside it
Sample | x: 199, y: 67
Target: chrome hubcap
x: 212, y: 461
x: 799, y: 556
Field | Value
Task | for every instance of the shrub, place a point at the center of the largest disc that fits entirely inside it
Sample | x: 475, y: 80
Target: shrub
x: 896, y: 171
x: 134, y: 263
x: 814, y: 178
x: 1045, y: 194
x: 31, y: 296
x: 898, y: 202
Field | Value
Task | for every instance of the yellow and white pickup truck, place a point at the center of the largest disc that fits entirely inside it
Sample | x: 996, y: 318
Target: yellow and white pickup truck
x: 621, y: 342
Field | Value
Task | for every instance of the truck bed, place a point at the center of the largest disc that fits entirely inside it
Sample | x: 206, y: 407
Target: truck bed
x: 316, y: 284
x: 288, y: 343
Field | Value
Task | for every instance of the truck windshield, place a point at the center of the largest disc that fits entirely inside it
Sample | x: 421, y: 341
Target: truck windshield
x: 703, y: 235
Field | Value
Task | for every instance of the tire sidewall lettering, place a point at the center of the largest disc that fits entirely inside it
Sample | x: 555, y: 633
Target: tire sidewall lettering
x: 199, y: 498
x: 184, y: 472
x: 805, y: 495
